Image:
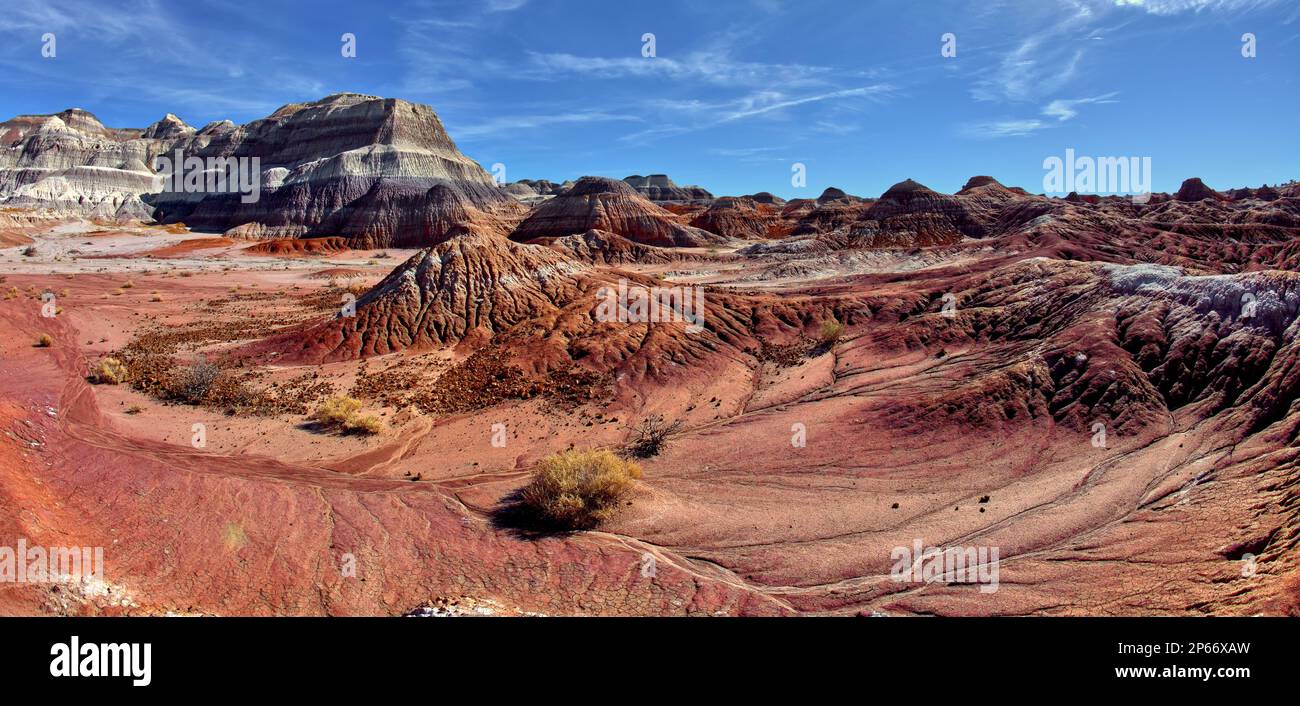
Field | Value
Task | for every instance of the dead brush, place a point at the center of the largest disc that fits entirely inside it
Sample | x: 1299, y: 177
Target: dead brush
x: 193, y: 384
x: 650, y: 435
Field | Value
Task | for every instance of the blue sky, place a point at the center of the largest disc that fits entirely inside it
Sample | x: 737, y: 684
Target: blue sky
x: 738, y: 91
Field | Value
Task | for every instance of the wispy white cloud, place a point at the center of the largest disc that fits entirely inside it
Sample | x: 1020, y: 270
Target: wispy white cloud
x: 831, y: 127
x: 1040, y: 65
x: 519, y: 123
x: 140, y: 28
x: 153, y: 55
x: 750, y: 155
x: 1064, y: 109
x: 1059, y: 35
x: 505, y: 5
x: 694, y: 115
x: 741, y: 151
x: 1003, y: 128
x: 1061, y: 110
x: 751, y: 110
x: 1173, y: 7
x: 706, y: 66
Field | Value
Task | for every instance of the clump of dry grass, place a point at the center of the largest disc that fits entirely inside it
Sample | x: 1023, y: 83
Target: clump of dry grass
x: 44, y: 341
x: 577, y: 489
x: 831, y: 332
x: 129, y: 284
x: 366, y: 424
x: 343, y: 413
x: 335, y: 411
x: 109, y: 371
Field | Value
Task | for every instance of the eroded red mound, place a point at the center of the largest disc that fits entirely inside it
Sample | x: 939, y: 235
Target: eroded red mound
x: 298, y: 246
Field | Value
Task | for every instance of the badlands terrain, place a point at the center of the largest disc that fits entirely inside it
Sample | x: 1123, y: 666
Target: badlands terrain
x: 1104, y: 390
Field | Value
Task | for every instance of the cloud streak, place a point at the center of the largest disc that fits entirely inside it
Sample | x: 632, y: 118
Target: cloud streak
x: 1063, y: 110
x: 520, y: 123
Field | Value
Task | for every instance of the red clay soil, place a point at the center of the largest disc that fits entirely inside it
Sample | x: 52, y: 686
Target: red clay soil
x: 9, y: 239
x: 199, y: 532
x: 186, y: 248
x: 292, y: 247
x: 338, y: 273
x: 1081, y: 386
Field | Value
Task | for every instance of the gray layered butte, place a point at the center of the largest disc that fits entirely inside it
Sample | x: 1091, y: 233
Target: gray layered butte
x: 378, y: 172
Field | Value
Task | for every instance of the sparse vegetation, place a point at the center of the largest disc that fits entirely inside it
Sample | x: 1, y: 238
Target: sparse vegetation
x: 29, y: 251
x: 109, y: 371
x: 192, y: 385
x: 578, y: 489
x: 129, y: 284
x: 367, y: 424
x: 649, y: 436
x: 832, y: 330
x: 44, y: 341
x: 342, y: 413
x: 335, y: 411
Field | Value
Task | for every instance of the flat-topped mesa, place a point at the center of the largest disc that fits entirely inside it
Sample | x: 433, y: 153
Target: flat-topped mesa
x: 659, y: 188
x: 609, y: 205
x: 332, y: 167
x: 1195, y: 190
x: 355, y: 166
